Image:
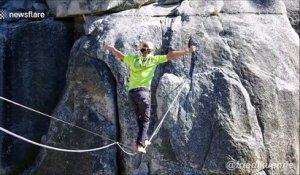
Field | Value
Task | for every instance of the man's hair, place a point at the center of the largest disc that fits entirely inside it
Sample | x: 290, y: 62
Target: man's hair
x: 148, y: 45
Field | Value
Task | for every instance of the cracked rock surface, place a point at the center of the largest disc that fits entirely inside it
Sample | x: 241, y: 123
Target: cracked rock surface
x: 239, y: 102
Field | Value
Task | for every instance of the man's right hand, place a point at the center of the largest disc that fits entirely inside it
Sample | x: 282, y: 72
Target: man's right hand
x: 109, y: 47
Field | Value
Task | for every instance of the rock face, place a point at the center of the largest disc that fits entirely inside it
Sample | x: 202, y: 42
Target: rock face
x: 89, y: 101
x: 63, y: 8
x: 67, y: 8
x: 237, y: 113
x: 293, y: 10
x: 24, y: 5
x: 239, y: 104
x: 33, y: 62
x: 2, y: 54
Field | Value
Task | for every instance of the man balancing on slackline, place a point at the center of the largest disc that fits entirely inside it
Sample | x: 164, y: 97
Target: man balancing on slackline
x: 142, y: 68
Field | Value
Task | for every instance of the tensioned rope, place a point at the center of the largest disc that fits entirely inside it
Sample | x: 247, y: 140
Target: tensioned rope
x: 120, y: 145
x: 54, y: 148
x: 33, y: 110
x: 163, y: 118
x: 81, y: 128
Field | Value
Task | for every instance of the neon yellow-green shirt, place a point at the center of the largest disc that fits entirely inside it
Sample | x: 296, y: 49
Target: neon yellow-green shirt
x: 142, y: 69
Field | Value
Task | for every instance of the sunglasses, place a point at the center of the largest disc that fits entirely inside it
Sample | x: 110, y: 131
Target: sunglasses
x: 144, y: 49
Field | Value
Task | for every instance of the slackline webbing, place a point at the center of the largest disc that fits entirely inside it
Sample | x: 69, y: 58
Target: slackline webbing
x: 120, y: 145
x: 54, y: 148
x: 165, y: 115
x: 41, y: 113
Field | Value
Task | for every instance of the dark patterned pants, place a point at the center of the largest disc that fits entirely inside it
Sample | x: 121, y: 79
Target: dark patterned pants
x: 140, y: 102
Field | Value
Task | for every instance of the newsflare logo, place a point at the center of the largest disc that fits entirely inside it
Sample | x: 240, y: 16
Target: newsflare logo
x: 21, y: 15
x: 2, y: 14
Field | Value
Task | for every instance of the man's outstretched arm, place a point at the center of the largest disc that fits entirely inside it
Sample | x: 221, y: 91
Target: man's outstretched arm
x: 176, y: 54
x: 115, y: 52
